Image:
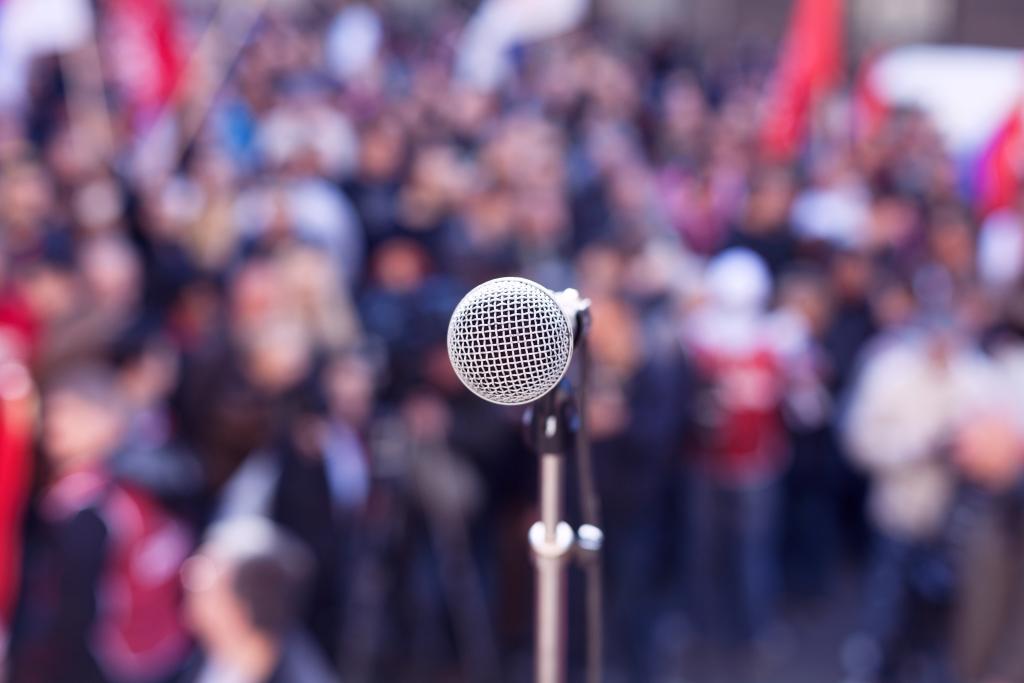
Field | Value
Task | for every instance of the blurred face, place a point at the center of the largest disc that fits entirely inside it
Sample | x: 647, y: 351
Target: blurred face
x: 607, y: 410
x: 684, y: 109
x: 851, y: 275
x: 768, y: 206
x: 543, y: 217
x: 942, y: 347
x: 810, y: 301
x: 469, y: 110
x: 255, y: 294
x: 306, y: 274
x: 427, y: 416
x: 988, y: 451
x: 212, y: 611
x: 381, y: 150
x: 214, y: 171
x: 630, y: 190
x: 893, y: 306
x: 400, y: 266
x: 615, y: 335
x: 613, y: 86
x: 112, y: 272
x: 78, y: 431
x: 489, y: 216
x: 48, y: 291
x: 151, y: 378
x: 892, y: 222
x: 952, y: 245
x: 527, y: 153
x: 97, y: 206
x: 600, y: 270
x: 350, y: 390
x: 70, y: 157
x: 280, y: 354
x: 25, y: 194
x: 437, y: 179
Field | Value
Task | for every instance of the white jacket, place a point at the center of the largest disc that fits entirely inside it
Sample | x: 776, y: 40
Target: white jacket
x: 901, y: 416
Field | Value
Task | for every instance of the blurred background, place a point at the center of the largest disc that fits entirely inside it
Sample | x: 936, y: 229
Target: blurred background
x: 232, y: 449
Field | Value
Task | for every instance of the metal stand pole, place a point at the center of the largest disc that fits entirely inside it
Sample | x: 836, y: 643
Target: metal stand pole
x: 551, y: 540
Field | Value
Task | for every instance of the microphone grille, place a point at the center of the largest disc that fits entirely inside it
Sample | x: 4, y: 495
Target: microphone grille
x: 509, y: 342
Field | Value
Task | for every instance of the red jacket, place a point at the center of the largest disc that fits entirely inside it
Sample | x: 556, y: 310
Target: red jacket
x: 742, y: 436
x: 16, y: 420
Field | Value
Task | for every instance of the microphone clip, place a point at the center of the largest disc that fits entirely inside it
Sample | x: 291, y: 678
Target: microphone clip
x: 576, y: 309
x: 551, y: 422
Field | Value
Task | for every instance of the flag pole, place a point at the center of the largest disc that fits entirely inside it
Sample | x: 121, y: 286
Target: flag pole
x: 211, y: 41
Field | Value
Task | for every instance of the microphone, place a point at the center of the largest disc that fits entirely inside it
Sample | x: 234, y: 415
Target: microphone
x: 510, y: 340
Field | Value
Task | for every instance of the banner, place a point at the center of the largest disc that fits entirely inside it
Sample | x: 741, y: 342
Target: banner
x: 30, y: 28
x: 483, y: 54
x: 974, y: 97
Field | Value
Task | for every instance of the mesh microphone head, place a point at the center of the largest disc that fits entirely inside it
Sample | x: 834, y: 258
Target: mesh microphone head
x: 509, y: 341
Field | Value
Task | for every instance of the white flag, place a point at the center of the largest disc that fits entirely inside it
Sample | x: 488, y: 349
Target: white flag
x: 29, y: 28
x: 499, y: 25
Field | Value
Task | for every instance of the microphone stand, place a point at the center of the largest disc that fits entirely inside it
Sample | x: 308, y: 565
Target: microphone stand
x: 553, y: 423
x: 590, y: 537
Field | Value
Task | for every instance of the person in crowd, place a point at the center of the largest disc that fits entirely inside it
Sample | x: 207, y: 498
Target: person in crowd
x: 17, y: 422
x: 265, y: 238
x: 282, y: 473
x: 913, y: 391
x: 146, y: 365
x: 986, y: 534
x: 245, y: 589
x: 98, y: 603
x: 741, y: 451
x: 811, y: 514
x: 637, y: 420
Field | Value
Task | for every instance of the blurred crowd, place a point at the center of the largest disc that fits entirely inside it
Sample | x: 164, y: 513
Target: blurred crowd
x: 253, y: 461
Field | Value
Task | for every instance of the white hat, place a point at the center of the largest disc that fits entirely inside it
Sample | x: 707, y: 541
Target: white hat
x: 738, y: 279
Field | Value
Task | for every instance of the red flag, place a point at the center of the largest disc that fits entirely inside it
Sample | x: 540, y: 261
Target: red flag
x: 811, y: 61
x: 146, y: 50
x: 1001, y: 166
